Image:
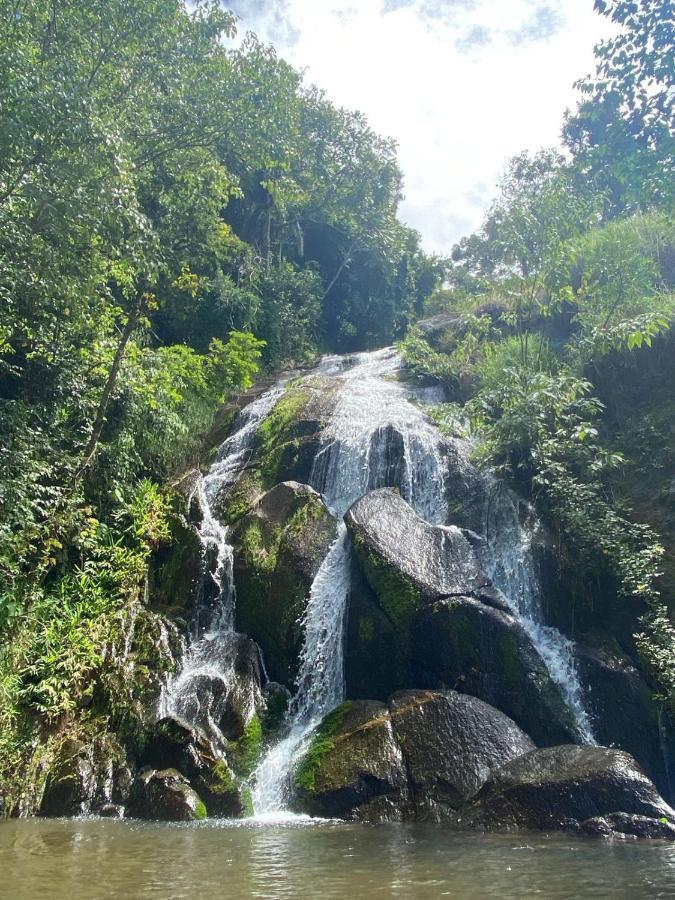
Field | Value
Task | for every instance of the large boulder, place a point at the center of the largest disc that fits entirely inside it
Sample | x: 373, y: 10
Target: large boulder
x: 562, y: 787
x: 164, y: 796
x: 425, y: 611
x: 450, y: 742
x: 278, y: 548
x: 625, y: 713
x: 175, y: 745
x: 408, y: 562
x: 354, y: 766
x: 422, y: 755
x: 484, y: 651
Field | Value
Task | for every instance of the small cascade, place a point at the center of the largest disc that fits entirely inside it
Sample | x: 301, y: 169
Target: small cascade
x: 507, y: 559
x: 373, y: 428
x: 213, y: 652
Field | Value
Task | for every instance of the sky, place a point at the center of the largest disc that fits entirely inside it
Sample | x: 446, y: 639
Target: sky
x: 461, y: 85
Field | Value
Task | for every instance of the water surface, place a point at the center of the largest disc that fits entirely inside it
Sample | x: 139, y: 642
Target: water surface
x: 78, y: 859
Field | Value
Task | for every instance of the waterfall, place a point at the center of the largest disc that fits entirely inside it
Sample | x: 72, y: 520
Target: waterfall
x: 372, y: 420
x: 507, y: 559
x: 377, y: 436
x: 212, y: 653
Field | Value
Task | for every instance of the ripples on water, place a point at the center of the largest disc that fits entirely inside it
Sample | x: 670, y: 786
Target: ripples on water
x: 301, y: 858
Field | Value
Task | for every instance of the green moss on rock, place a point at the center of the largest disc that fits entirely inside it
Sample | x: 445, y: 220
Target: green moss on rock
x: 275, y: 440
x: 200, y: 812
x: 322, y: 743
x: 245, y: 753
x: 396, y: 593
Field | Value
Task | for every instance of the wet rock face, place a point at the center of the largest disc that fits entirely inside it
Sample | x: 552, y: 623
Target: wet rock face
x: 86, y: 778
x: 279, y: 547
x: 285, y: 445
x: 222, y: 704
x: 407, y: 561
x: 419, y: 756
x: 430, y: 755
x: 626, y: 825
x: 175, y: 745
x: 164, y: 796
x: 450, y: 742
x: 422, y: 608
x: 625, y: 713
x: 486, y: 651
x: 562, y: 787
x: 71, y: 784
x: 354, y: 767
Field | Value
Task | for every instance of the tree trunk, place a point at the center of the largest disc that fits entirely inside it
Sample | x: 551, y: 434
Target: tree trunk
x: 111, y: 380
x: 340, y: 268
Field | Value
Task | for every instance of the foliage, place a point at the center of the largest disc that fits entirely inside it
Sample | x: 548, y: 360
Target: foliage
x: 621, y: 135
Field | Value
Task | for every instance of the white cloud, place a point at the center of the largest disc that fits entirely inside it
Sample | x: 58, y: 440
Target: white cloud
x: 460, y: 84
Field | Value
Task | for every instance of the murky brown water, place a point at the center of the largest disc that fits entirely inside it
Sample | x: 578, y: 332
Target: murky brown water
x: 74, y: 860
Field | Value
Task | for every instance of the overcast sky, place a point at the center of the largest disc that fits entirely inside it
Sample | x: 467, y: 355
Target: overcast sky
x: 461, y: 85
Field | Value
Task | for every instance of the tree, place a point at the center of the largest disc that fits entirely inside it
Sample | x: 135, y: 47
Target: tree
x: 622, y: 134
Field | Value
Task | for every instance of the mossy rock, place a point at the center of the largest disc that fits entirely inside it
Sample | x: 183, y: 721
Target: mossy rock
x: 465, y: 644
x: 175, y: 745
x: 84, y: 775
x: 165, y: 796
x: 278, y: 548
x: 422, y: 755
x: 244, y: 754
x: 176, y: 569
x: 353, y: 767
x: 407, y: 562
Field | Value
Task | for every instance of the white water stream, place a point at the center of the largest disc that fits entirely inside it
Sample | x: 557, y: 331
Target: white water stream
x: 507, y: 559
x: 353, y: 460
x: 212, y: 653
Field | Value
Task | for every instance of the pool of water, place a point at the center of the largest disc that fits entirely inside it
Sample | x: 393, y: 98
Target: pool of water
x: 74, y: 859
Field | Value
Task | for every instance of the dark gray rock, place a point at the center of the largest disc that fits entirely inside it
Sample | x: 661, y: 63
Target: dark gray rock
x: 354, y: 767
x: 111, y: 811
x: 450, y: 743
x: 279, y: 547
x: 624, y: 712
x: 626, y: 825
x: 72, y: 782
x: 419, y: 757
x: 465, y: 644
x: 441, y: 624
x: 561, y: 787
x: 177, y: 746
x: 407, y: 561
x: 84, y: 777
x: 164, y: 796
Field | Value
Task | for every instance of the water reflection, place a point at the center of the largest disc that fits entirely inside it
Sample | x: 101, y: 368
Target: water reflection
x: 74, y: 860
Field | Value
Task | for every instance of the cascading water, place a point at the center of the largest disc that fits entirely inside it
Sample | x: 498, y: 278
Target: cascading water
x: 507, y: 559
x: 212, y: 653
x: 372, y: 411
x: 375, y: 438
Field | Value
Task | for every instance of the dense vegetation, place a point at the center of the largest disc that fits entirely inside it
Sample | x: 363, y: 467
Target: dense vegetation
x: 175, y: 212
x: 555, y: 344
